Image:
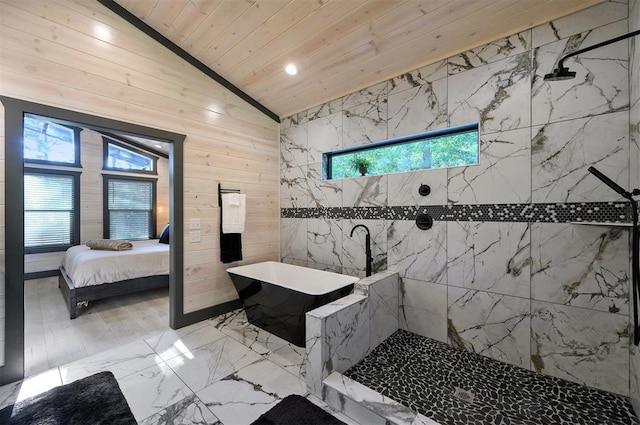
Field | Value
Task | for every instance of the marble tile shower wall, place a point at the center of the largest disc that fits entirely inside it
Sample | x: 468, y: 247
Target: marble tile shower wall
x: 634, y: 136
x: 536, y: 292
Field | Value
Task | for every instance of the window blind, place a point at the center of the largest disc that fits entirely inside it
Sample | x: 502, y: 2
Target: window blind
x: 130, y: 209
x: 49, y: 214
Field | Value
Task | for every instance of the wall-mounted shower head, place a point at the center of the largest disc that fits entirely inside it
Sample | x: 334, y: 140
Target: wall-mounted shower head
x: 563, y: 73
x: 559, y: 74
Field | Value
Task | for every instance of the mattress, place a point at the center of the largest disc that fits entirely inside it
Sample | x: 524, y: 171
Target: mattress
x: 87, y: 267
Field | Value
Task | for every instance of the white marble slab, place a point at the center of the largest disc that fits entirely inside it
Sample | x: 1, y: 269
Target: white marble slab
x: 585, y: 346
x: 489, y: 256
x: 325, y: 135
x: 418, y: 254
x: 494, y: 325
x: 576, y: 23
x: 170, y: 343
x: 418, y: 77
x: 403, y: 188
x: 353, y: 248
x: 121, y: 361
x: 347, y: 335
x: 582, y: 266
x: 562, y: 152
x: 286, y: 355
x: 293, y: 146
x: 503, y: 174
x: 634, y: 377
x: 294, y: 187
x: 188, y: 411
x: 418, y: 109
x: 323, y: 193
x: 364, y: 404
x: 363, y: 124
x: 634, y: 146
x: 423, y: 308
x: 151, y: 390
x: 370, y: 95
x: 325, y: 109
x: 634, y: 49
x: 293, y: 238
x: 243, y: 396
x: 212, y: 362
x: 490, y: 52
x: 316, y: 368
x: 601, y: 84
x: 29, y: 387
x: 324, y: 241
x: 365, y: 191
x: 496, y: 95
x: 383, y: 292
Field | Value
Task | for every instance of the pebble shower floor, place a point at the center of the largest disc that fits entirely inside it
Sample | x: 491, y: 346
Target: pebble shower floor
x: 453, y: 386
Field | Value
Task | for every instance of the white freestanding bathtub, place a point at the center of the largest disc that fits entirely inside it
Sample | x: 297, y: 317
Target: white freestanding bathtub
x: 276, y: 296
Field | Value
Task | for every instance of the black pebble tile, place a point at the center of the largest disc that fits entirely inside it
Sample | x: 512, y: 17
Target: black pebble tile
x: 423, y: 374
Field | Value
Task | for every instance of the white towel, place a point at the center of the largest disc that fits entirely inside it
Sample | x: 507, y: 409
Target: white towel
x: 233, y: 212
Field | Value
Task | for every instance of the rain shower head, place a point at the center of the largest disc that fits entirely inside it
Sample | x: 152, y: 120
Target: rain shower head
x: 560, y: 73
x: 563, y: 73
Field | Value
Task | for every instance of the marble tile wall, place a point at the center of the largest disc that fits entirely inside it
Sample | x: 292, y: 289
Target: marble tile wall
x: 341, y: 333
x: 502, y: 272
x: 634, y: 150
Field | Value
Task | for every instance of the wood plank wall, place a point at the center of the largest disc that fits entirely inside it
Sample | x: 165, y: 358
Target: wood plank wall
x: 91, y: 211
x: 77, y: 55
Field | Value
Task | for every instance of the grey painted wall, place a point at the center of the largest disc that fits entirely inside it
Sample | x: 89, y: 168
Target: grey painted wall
x: 545, y: 296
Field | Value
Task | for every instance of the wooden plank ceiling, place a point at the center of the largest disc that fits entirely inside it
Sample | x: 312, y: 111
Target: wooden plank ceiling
x: 338, y: 46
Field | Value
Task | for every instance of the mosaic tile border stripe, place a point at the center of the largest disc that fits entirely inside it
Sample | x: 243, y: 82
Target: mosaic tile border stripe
x: 612, y: 212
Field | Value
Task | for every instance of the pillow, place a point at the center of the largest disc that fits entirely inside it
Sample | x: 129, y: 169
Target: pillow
x: 109, y: 244
x: 164, y: 236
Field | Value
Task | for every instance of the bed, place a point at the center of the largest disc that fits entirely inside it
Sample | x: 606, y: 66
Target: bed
x: 89, y: 274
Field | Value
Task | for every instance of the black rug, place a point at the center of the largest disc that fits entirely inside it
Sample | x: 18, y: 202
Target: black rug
x: 94, y: 400
x: 295, y: 409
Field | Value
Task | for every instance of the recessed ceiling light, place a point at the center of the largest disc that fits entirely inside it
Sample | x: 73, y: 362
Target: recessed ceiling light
x: 291, y: 69
x: 158, y: 146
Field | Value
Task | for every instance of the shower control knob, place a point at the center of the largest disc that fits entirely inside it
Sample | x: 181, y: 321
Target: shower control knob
x: 424, y: 190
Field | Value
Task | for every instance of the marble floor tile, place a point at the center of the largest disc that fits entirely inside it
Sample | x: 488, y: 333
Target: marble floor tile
x: 122, y: 361
x: 151, y: 389
x: 171, y: 343
x: 189, y: 411
x: 202, y: 367
x: 243, y: 396
x: 286, y: 355
x: 29, y: 387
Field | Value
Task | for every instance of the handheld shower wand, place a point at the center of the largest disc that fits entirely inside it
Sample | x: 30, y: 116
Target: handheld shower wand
x: 635, y: 245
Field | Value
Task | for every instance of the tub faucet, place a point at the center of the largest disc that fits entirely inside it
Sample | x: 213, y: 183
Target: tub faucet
x: 367, y: 246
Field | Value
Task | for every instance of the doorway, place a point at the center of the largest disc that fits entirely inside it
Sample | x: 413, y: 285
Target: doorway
x: 15, y: 110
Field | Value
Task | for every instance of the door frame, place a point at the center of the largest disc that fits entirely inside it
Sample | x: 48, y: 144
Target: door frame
x: 14, y: 110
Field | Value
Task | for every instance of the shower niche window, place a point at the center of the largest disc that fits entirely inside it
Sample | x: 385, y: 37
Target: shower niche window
x: 451, y: 147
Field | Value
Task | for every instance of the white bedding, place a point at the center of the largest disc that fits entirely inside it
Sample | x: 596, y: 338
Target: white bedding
x: 88, y: 267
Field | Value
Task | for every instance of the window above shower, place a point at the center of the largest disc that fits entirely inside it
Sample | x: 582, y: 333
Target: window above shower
x: 451, y: 147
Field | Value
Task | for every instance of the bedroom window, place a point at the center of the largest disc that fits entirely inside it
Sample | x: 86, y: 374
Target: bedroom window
x: 121, y: 157
x: 129, y: 207
x: 47, y: 142
x: 51, y: 210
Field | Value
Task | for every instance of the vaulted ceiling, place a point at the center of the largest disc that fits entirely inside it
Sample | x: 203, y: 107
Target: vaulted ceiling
x: 338, y: 46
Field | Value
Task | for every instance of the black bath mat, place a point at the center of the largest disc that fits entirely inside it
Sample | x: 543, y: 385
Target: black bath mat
x: 95, y: 400
x: 295, y: 409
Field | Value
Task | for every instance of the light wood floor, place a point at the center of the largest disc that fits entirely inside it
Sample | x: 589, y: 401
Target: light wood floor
x: 52, y: 339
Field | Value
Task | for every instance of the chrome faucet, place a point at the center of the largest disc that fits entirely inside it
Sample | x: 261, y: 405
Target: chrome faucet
x: 367, y: 246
